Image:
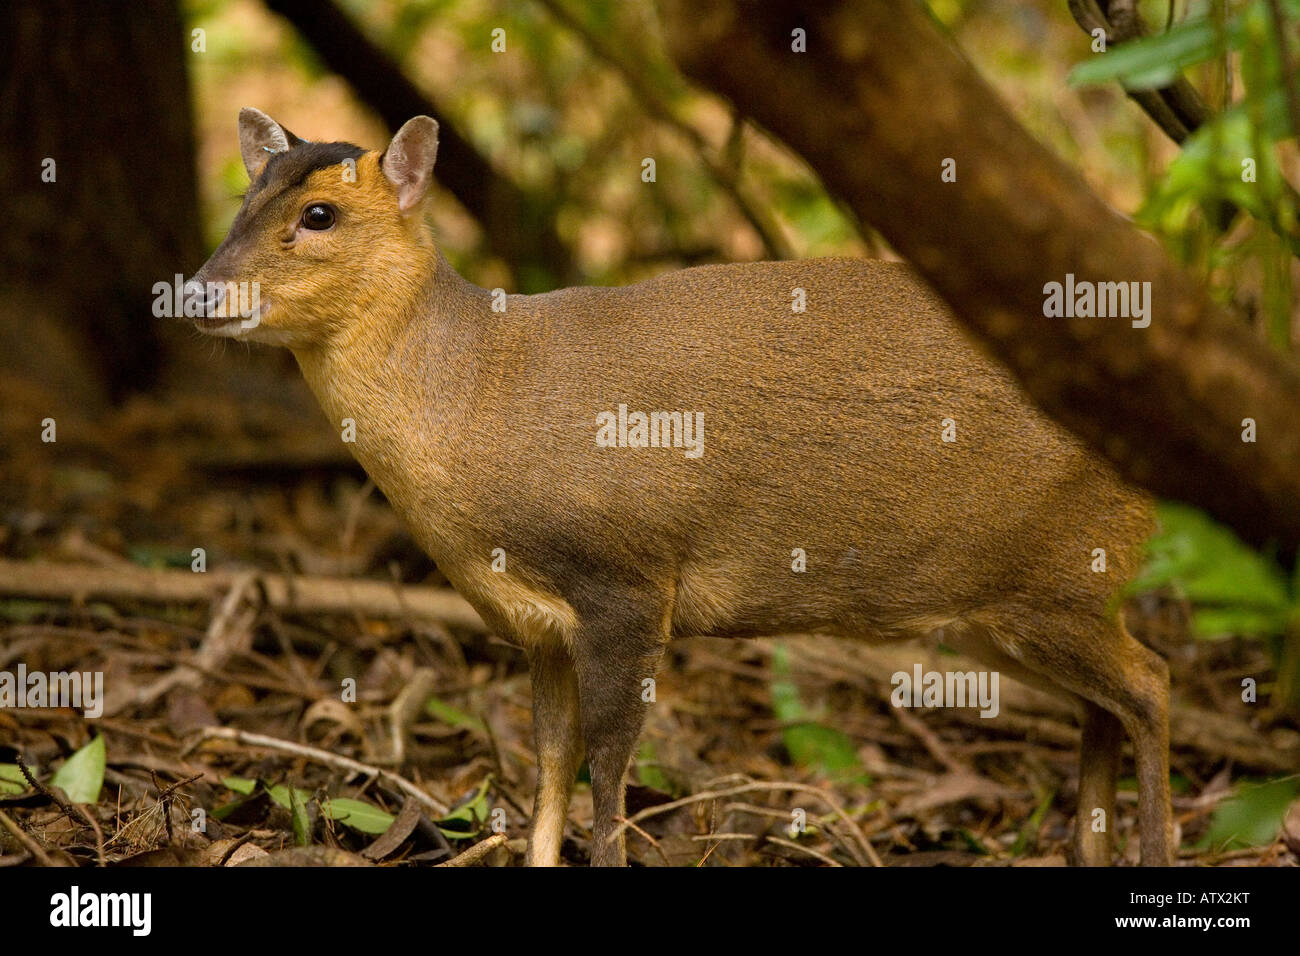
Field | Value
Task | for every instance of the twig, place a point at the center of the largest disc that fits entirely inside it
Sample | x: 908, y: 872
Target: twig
x: 27, y: 841
x: 702, y: 837
x: 649, y: 839
x: 477, y: 852
x: 225, y: 857
x: 165, y: 795
x: 929, y: 739
x: 164, y: 801
x: 1177, y: 109
x: 73, y: 810
x: 406, y: 707
x: 297, y: 672
x: 319, y: 756
x: 868, y: 852
x: 790, y: 844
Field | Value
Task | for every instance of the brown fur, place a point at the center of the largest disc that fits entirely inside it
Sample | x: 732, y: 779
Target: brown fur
x: 821, y: 432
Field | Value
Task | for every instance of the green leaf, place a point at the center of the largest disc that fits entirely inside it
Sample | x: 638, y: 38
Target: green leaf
x: 301, y: 821
x: 1253, y: 817
x: 1153, y: 61
x: 1219, y: 623
x: 279, y: 794
x: 82, y: 776
x: 814, y: 216
x: 1232, y: 588
x: 648, y: 770
x: 1026, y: 839
x: 239, y: 785
x: 357, y: 815
x: 11, y: 779
x: 973, y: 841
x: 1157, y: 60
x: 810, y: 744
x: 466, y: 819
x: 1209, y: 168
x: 351, y: 813
x: 226, y: 809
x: 440, y: 710
x: 814, y: 745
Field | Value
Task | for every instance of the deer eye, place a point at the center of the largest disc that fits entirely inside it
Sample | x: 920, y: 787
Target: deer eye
x: 318, y: 216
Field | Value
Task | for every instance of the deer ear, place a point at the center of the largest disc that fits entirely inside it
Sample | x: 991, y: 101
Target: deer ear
x: 408, y: 161
x: 260, y: 137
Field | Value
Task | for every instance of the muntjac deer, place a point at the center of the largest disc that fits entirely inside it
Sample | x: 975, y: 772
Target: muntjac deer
x: 601, y: 470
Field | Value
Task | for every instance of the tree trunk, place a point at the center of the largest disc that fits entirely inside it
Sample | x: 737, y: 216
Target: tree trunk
x: 878, y: 104
x: 97, y: 176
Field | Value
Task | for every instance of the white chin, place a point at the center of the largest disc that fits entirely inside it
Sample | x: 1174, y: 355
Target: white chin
x: 248, y: 328
x: 230, y: 330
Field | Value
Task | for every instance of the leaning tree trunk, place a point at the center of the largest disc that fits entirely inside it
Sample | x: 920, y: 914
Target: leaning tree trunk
x: 895, y: 101
x: 96, y: 176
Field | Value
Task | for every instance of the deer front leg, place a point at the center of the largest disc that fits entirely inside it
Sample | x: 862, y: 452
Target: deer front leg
x: 1099, y: 753
x: 559, y: 750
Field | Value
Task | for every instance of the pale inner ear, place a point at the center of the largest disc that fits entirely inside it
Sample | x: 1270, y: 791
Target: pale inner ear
x: 260, y: 137
x: 408, y: 161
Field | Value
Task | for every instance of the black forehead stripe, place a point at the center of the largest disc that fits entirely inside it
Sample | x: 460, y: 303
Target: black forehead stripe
x: 291, y: 167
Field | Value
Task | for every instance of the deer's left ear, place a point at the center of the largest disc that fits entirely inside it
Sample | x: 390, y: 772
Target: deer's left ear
x: 260, y: 137
x: 408, y: 161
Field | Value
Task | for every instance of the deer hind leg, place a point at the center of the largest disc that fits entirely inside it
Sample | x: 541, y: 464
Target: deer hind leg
x: 1091, y: 848
x: 1093, y: 657
x: 615, y: 652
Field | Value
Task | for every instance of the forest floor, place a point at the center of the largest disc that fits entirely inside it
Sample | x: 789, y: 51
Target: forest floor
x: 745, y: 739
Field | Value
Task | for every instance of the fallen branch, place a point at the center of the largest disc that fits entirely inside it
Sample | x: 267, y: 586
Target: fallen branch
x: 478, y: 851
x: 308, y: 595
x: 870, y: 667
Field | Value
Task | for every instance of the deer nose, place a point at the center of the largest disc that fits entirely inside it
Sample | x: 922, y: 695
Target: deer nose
x: 203, y: 298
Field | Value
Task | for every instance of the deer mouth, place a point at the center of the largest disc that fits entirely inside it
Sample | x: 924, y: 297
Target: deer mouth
x: 233, y: 325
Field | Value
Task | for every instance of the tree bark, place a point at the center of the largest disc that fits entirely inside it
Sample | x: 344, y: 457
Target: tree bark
x: 877, y: 104
x: 99, y: 90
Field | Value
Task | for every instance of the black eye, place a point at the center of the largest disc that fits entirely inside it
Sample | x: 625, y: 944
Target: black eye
x: 318, y: 216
